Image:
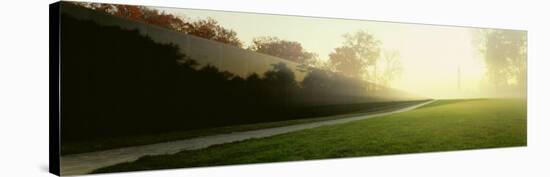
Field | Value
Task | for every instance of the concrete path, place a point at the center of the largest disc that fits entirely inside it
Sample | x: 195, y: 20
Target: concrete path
x: 77, y: 164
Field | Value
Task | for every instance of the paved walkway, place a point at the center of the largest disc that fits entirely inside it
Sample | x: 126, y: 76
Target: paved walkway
x: 87, y: 162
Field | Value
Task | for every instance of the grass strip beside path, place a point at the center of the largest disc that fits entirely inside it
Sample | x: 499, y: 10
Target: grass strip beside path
x: 449, y: 125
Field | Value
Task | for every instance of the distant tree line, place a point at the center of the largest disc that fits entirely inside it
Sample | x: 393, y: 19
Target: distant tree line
x: 116, y: 82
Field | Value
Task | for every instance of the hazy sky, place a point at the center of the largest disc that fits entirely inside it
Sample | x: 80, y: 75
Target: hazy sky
x: 430, y: 55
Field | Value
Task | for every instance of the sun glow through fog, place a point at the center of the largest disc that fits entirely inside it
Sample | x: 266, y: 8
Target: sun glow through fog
x: 438, y: 61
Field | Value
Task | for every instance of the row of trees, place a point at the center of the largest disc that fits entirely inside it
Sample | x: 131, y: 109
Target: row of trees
x: 359, y: 57
x: 206, y: 28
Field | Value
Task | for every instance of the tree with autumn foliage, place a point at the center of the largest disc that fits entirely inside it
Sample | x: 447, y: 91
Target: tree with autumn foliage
x: 204, y: 28
x: 210, y: 29
x: 290, y: 50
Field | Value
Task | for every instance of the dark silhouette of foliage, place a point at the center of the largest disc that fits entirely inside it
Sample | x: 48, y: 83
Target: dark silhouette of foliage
x: 117, y: 82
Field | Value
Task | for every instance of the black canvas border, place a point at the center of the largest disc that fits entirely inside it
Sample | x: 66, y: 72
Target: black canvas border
x: 54, y: 100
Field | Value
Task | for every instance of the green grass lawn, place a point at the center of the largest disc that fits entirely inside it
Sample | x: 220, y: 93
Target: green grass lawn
x: 441, y: 126
x: 126, y: 141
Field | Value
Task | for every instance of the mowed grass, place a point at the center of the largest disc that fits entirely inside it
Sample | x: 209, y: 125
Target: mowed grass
x: 442, y: 126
